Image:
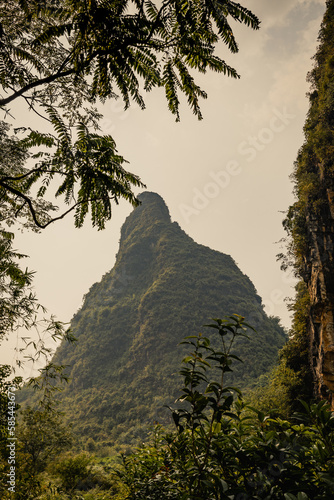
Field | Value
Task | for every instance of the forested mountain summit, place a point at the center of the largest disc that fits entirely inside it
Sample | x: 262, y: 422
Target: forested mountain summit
x: 164, y: 286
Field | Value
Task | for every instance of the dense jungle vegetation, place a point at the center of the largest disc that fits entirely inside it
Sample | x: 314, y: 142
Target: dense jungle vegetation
x: 220, y: 446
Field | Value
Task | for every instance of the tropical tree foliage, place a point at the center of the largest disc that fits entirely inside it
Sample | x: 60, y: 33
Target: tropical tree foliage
x: 61, y: 57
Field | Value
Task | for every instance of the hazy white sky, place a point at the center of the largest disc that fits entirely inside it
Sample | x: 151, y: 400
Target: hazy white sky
x: 225, y: 179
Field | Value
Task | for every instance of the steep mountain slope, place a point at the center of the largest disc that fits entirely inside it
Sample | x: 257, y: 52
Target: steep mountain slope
x: 310, y: 226
x: 163, y: 286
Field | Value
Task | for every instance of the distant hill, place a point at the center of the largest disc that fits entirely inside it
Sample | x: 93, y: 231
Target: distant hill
x: 163, y: 286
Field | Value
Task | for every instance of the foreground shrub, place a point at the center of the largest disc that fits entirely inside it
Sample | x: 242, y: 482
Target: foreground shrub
x: 224, y: 449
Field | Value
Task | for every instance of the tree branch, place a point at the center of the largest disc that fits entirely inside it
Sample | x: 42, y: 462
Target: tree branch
x: 61, y: 216
x: 36, y: 83
x: 31, y: 106
x: 23, y: 176
x: 28, y: 201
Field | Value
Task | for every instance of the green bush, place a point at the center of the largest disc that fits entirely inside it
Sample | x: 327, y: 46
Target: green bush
x: 224, y: 449
x: 74, y: 471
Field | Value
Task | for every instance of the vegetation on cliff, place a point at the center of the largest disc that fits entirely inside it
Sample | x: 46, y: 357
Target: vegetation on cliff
x: 310, y: 227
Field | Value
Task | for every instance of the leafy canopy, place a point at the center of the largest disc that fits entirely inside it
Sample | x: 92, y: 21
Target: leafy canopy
x: 61, y: 57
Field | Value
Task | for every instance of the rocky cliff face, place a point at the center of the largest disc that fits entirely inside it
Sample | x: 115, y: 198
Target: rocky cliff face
x: 311, y: 218
x: 319, y: 267
x: 164, y: 286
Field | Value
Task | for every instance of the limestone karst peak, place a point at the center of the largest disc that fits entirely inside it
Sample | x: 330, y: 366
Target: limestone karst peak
x: 152, y: 210
x: 164, y: 286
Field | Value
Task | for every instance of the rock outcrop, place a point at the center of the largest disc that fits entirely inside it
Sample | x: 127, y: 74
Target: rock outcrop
x: 311, y: 219
x: 319, y: 276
